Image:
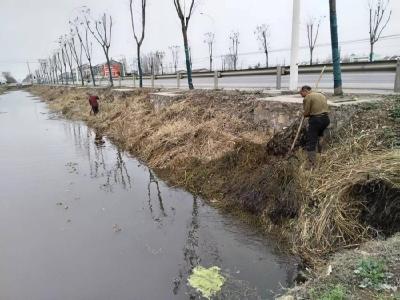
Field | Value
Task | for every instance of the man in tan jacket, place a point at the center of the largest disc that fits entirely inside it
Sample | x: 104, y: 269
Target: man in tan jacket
x: 316, y: 109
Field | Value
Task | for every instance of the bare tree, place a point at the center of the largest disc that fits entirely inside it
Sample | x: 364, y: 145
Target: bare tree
x: 50, y: 75
x: 139, y: 40
x: 43, y: 68
x: 68, y: 57
x: 51, y: 70
x: 54, y: 68
x: 147, y: 63
x: 175, y: 56
x: 59, y: 65
x: 263, y: 33
x: 160, y: 60
x: 227, y: 62
x: 85, y: 43
x: 63, y: 59
x: 184, y: 15
x: 9, y: 77
x: 313, y: 26
x: 76, y: 56
x: 102, y: 33
x: 234, y: 37
x: 379, y: 17
x: 152, y: 62
x: 209, y: 40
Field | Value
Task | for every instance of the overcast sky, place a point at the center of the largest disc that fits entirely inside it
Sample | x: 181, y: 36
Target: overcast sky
x: 29, y: 28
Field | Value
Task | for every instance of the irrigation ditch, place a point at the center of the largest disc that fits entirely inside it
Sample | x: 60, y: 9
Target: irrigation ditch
x: 231, y: 149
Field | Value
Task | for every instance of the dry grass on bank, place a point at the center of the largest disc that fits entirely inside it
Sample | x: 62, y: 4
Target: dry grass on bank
x: 371, y: 271
x: 353, y: 192
x: 209, y: 144
x: 3, y: 89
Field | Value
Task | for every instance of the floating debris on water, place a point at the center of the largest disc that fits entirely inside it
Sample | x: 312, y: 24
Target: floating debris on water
x: 66, y: 207
x: 72, y: 167
x: 206, y: 281
x: 59, y: 203
x: 117, y: 228
x: 153, y: 251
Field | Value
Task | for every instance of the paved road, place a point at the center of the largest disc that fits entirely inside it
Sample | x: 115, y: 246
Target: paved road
x: 382, y: 81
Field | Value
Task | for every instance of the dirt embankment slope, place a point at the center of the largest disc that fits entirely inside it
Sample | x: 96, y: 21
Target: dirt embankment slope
x: 208, y: 143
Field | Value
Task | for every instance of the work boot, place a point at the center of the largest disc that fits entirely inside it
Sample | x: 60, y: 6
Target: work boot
x: 319, y: 145
x: 312, y: 158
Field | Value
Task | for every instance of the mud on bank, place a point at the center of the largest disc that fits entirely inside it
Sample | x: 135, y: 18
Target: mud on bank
x: 371, y: 271
x: 209, y: 143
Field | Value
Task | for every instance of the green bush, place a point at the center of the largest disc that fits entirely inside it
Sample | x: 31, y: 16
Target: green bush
x: 372, y: 273
x: 337, y: 292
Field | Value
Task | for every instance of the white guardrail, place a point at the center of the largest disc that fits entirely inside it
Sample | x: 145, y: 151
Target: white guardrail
x: 379, y: 66
x: 392, y: 66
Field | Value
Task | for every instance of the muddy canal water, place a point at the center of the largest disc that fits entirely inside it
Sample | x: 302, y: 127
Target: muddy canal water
x: 81, y: 220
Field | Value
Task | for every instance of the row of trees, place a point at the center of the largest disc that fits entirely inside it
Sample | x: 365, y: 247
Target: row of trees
x: 84, y: 29
x: 59, y: 66
x: 8, y: 77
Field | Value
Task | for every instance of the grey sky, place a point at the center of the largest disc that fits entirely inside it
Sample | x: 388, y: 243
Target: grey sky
x: 29, y: 29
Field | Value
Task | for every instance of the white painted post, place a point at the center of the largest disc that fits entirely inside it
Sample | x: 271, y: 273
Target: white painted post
x: 152, y: 81
x: 397, y: 80
x: 215, y: 80
x: 120, y: 80
x: 278, y: 77
x: 294, y: 55
x: 178, y: 80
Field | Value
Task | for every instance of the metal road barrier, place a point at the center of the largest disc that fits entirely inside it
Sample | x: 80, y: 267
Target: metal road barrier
x: 378, y: 66
x: 278, y: 72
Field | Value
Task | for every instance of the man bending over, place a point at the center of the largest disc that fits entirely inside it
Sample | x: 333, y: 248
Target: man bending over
x: 94, y: 104
x: 316, y: 109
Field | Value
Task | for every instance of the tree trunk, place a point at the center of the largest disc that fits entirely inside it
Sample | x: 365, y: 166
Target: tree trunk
x: 311, y: 56
x: 62, y: 79
x: 266, y: 59
x: 56, y: 76
x: 72, y: 74
x: 211, y: 63
x: 81, y: 73
x: 371, y: 53
x: 109, y: 68
x: 66, y: 74
x: 337, y: 72
x: 91, y: 72
x: 187, y: 56
x: 139, y: 64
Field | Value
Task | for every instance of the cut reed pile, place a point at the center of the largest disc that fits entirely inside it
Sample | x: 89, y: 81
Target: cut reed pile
x: 353, y: 193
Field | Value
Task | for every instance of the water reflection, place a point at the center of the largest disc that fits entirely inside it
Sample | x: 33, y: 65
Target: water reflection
x: 93, y: 144
x: 190, y: 250
x: 154, y: 182
x: 109, y: 239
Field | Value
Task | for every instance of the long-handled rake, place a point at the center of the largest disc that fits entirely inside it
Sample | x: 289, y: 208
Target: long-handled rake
x: 302, y: 118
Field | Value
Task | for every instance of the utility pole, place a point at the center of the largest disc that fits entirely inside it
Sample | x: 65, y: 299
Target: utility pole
x: 294, y: 54
x: 29, y: 70
x: 337, y: 72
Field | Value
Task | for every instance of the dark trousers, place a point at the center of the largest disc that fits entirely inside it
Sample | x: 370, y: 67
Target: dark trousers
x: 316, y: 127
x: 95, y: 109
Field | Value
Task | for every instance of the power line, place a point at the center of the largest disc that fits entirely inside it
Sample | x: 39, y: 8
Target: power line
x: 383, y: 38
